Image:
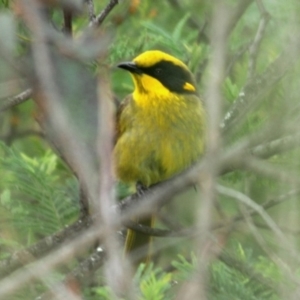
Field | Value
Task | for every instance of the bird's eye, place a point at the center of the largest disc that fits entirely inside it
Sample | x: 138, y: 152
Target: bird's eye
x: 158, y: 71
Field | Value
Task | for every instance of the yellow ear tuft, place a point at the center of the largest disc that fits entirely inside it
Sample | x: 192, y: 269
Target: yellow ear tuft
x: 189, y: 87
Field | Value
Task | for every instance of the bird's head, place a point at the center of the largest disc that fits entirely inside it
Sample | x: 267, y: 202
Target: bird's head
x: 158, y: 74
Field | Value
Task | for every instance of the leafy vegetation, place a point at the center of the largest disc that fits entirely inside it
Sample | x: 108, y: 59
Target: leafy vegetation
x: 250, y: 246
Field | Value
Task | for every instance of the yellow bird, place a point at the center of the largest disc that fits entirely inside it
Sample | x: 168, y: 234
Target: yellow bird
x: 160, y: 126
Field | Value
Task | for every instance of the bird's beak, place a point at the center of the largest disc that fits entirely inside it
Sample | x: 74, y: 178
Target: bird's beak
x: 131, y: 67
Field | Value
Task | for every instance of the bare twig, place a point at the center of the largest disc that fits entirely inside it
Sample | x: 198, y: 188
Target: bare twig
x: 44, y: 246
x: 235, y: 57
x: 270, y: 170
x: 15, y: 100
x: 116, y: 276
x: 214, y: 144
x: 252, y: 204
x: 237, y: 14
x: 254, y: 47
x: 91, y: 10
x: 254, y: 91
x: 97, y: 21
x: 266, y: 150
x: 261, y: 7
x: 40, y: 268
x: 82, y: 272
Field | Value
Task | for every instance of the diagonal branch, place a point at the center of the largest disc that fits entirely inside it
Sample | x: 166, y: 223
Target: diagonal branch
x: 254, y: 47
x: 97, y: 21
x: 15, y: 100
x: 254, y: 91
x: 44, y: 246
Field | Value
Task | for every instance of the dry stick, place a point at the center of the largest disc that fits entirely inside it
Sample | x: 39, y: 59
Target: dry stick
x: 261, y: 6
x: 39, y: 269
x: 252, y: 204
x: 15, y: 100
x: 254, y: 91
x: 268, y: 204
x: 44, y: 246
x: 197, y: 287
x: 97, y: 21
x: 237, y: 14
x: 255, y: 88
x: 272, y: 225
x: 116, y: 268
x: 267, y: 169
x: 81, y: 272
x: 45, y: 74
x: 91, y: 11
x: 237, y: 55
x: 277, y: 146
x: 254, y: 47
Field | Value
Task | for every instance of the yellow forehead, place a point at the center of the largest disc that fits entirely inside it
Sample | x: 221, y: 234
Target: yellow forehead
x: 150, y: 58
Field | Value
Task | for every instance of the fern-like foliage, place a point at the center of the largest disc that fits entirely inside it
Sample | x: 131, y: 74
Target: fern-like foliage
x: 36, y: 198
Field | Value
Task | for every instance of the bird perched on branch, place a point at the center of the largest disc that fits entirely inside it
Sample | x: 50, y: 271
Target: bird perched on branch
x: 160, y: 126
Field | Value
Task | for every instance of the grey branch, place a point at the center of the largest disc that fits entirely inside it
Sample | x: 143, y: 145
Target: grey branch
x: 97, y: 21
x: 15, y: 100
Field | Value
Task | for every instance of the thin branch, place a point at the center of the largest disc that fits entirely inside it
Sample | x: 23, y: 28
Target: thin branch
x: 270, y: 203
x: 15, y: 100
x: 252, y: 204
x: 270, y: 170
x: 97, y: 21
x: 254, y: 91
x: 40, y: 268
x: 42, y: 247
x: 237, y: 14
x: 266, y: 150
x: 236, y: 56
x: 261, y: 6
x: 254, y: 47
x: 82, y: 271
x: 117, y: 268
x: 220, y: 22
x: 91, y: 11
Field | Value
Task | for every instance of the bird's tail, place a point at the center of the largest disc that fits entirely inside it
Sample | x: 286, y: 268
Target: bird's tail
x: 137, y: 244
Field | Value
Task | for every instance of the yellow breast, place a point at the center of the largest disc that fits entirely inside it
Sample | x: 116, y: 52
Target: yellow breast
x: 160, y: 136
